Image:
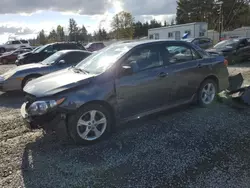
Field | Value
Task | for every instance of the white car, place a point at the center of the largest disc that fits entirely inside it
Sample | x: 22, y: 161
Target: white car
x: 14, y: 44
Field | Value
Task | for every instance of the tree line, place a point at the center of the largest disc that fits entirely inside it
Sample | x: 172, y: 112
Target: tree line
x: 123, y: 27
x: 234, y: 14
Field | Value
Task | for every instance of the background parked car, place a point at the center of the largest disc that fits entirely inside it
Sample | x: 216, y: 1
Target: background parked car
x: 17, y: 78
x: 13, y: 44
x: 95, y: 46
x: 234, y: 50
x: 120, y: 83
x: 202, y: 42
x: 11, y: 57
x: 46, y: 51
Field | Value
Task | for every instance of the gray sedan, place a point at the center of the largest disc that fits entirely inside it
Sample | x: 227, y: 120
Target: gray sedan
x: 17, y: 78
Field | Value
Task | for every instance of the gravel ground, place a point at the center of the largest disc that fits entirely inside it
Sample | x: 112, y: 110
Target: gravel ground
x: 189, y: 147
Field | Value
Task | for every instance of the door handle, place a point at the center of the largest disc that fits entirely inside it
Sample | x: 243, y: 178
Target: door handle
x: 199, y: 65
x: 162, y: 74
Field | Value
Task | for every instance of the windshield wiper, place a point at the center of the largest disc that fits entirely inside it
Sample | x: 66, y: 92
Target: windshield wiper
x: 79, y: 70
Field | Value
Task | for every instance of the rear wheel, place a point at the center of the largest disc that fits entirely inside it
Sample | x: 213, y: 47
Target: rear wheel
x: 2, y: 50
x: 90, y: 124
x: 4, y: 61
x: 207, y: 92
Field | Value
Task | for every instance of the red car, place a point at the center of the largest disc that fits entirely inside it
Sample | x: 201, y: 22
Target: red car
x: 10, y: 57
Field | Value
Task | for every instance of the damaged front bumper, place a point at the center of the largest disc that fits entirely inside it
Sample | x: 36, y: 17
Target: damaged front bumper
x: 237, y: 90
x: 49, y: 122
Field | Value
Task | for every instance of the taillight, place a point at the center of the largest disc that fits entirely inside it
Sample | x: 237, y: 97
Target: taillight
x: 225, y: 62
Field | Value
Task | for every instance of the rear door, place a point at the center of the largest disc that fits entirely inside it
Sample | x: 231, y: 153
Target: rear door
x: 244, y: 49
x: 184, y: 71
x: 16, y: 44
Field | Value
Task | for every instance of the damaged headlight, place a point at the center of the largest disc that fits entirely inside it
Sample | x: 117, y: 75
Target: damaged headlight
x: 42, y: 107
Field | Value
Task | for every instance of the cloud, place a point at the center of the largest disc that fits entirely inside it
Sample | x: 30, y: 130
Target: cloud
x: 16, y: 30
x: 89, y: 7
x: 149, y: 7
x: 80, y: 6
x: 159, y: 18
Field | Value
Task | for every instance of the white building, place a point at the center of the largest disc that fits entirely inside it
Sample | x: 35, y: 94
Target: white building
x: 176, y: 32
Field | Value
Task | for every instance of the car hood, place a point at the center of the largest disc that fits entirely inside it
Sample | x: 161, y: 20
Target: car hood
x: 25, y: 54
x: 6, y: 54
x: 56, y: 82
x: 30, y: 66
x: 220, y: 50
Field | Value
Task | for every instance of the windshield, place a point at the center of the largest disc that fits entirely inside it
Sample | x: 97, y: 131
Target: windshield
x: 188, y: 40
x: 36, y: 48
x: 105, y: 58
x: 88, y: 45
x: 42, y: 48
x: 225, y: 43
x: 53, y: 58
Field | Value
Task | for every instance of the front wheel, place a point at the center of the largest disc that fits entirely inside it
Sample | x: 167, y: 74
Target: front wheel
x: 207, y: 92
x: 90, y: 124
x: 28, y: 79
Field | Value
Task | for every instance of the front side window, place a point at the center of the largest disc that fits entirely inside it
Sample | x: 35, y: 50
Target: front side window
x: 170, y: 35
x: 24, y: 41
x: 151, y: 36
x: 145, y: 58
x: 180, y: 54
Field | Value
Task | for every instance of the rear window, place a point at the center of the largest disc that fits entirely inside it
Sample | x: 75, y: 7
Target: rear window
x: 24, y: 41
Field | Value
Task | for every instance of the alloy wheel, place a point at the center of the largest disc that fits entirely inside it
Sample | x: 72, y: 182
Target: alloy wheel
x: 208, y: 93
x: 91, y: 125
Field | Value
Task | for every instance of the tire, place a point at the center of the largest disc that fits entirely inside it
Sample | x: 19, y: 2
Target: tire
x: 28, y: 79
x: 4, y: 61
x: 77, y: 132
x: 2, y: 50
x: 212, y: 94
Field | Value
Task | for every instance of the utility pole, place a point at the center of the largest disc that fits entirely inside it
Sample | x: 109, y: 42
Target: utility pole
x: 220, y: 18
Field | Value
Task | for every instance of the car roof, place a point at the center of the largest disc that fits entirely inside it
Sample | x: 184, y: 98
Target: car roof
x: 73, y: 50
x: 144, y: 42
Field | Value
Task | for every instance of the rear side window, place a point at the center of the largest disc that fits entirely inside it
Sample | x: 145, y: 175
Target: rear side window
x: 24, y: 41
x: 74, y: 57
x: 204, y: 41
x: 16, y: 42
x: 180, y: 54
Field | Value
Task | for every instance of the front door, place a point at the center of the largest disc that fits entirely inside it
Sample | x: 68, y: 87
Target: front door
x: 144, y: 89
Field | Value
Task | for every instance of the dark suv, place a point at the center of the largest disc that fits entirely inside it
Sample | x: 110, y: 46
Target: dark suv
x: 95, y: 46
x: 46, y: 51
x: 122, y: 82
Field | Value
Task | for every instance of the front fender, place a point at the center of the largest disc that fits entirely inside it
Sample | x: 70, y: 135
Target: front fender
x: 76, y: 98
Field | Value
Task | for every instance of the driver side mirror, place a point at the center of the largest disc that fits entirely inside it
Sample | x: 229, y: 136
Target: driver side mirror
x: 127, y: 70
x: 61, y: 62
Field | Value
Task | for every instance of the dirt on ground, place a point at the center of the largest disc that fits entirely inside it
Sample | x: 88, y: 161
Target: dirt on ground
x: 185, y: 147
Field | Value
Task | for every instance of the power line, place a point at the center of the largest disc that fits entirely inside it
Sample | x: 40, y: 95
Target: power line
x: 242, y: 2
x: 231, y: 11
